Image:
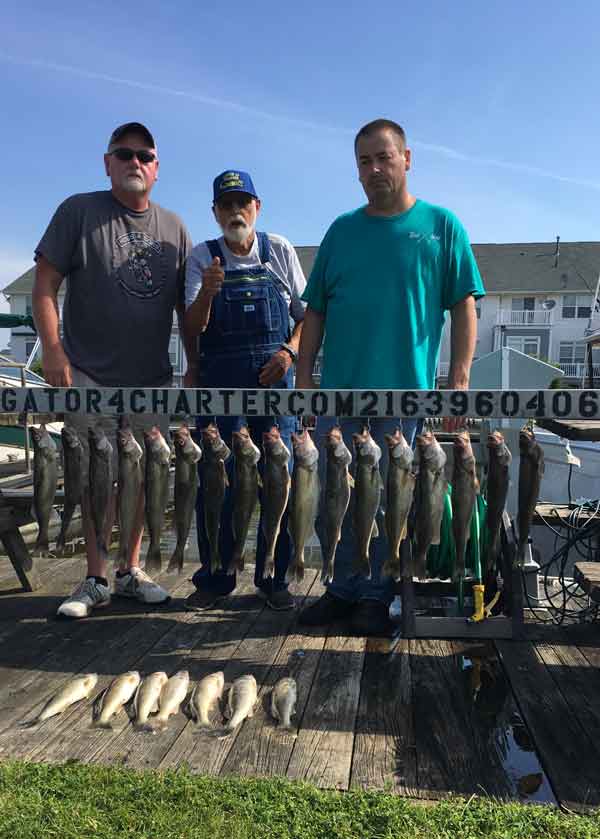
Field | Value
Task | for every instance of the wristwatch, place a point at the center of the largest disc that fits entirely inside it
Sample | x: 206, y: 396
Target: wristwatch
x: 290, y: 351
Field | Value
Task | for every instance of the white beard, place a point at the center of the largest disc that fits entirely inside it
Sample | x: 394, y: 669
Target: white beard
x: 133, y: 183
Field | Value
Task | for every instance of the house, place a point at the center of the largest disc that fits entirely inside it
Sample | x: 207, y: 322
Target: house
x: 541, y: 299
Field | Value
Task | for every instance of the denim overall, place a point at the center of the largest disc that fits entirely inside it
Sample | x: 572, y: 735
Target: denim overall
x: 249, y: 321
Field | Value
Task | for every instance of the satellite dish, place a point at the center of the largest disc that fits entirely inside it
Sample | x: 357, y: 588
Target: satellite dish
x: 548, y: 304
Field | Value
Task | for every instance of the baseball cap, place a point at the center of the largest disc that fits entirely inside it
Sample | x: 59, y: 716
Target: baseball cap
x: 233, y: 180
x: 131, y: 128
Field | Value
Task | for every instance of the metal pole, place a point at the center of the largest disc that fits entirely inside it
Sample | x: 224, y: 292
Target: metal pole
x: 26, y: 428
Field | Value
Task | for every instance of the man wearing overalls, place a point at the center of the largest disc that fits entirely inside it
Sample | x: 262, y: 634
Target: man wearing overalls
x: 242, y: 294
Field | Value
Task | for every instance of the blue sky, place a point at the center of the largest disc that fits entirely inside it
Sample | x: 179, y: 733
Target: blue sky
x: 499, y: 102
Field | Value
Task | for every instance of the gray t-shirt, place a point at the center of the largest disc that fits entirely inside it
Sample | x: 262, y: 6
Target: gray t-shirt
x: 125, y: 274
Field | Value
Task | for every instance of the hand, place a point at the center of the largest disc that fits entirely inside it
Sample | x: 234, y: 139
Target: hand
x: 453, y: 424
x: 275, y: 368
x: 56, y: 367
x: 212, y: 279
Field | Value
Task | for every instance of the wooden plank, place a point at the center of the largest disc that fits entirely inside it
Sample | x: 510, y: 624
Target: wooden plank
x: 384, y: 742
x: 579, y: 683
x: 322, y: 752
x: 453, y: 758
x: 587, y: 575
x: 457, y: 627
x: 261, y: 749
x: 210, y: 635
x: 255, y: 654
x: 561, y: 743
x: 97, y: 646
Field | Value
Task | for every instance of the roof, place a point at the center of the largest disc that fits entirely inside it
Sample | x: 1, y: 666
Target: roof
x: 22, y: 285
x: 519, y: 267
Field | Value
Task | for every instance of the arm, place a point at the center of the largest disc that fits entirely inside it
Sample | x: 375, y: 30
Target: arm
x: 463, y: 337
x: 281, y: 361
x: 55, y: 364
x: 312, y: 337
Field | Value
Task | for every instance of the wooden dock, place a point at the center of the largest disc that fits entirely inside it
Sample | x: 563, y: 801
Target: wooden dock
x: 423, y: 719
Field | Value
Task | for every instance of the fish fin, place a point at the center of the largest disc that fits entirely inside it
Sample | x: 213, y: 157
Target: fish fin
x: 224, y: 472
x: 327, y: 572
x: 135, y: 703
x: 259, y: 482
x: 269, y: 569
x: 351, y: 481
x: 375, y: 530
x: 274, y: 711
x: 98, y: 704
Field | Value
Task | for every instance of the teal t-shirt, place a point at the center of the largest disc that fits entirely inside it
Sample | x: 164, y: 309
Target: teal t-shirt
x: 384, y: 284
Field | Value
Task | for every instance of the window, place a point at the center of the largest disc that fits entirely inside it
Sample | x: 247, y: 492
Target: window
x: 521, y: 304
x: 529, y: 346
x: 28, y: 307
x: 478, y: 311
x: 571, y: 352
x: 576, y: 306
x: 29, y: 345
x: 174, y: 351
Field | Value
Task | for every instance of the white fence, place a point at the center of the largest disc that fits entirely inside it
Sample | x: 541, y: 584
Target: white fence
x: 524, y: 317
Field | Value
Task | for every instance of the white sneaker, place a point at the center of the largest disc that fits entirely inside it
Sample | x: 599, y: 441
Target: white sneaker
x: 87, y: 596
x: 136, y: 583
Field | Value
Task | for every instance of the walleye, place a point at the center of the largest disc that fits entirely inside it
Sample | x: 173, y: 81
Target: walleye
x: 187, y: 455
x: 531, y: 470
x: 74, y: 691
x: 72, y: 450
x: 207, y: 692
x: 400, y: 491
x: 276, y: 490
x: 116, y: 695
x: 242, y: 698
x: 430, y: 492
x: 367, y: 497
x: 214, y: 485
x: 283, y: 701
x: 101, y: 484
x: 171, y: 697
x: 130, y: 485
x: 338, y: 482
x: 45, y: 476
x: 145, y: 701
x: 465, y: 488
x: 245, y: 494
x: 156, y: 489
x: 497, y: 488
x: 304, y: 499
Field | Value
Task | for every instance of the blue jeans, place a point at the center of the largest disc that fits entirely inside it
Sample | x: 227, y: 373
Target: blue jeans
x: 346, y: 585
x: 220, y: 582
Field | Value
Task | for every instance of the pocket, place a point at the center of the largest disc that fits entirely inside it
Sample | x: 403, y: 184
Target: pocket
x: 244, y: 309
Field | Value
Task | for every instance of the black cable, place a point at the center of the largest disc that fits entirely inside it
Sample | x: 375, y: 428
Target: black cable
x: 569, y: 603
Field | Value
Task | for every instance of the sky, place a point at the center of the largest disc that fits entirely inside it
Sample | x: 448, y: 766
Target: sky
x: 499, y: 103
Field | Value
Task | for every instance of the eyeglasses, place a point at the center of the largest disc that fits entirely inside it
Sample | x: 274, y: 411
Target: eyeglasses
x: 125, y: 155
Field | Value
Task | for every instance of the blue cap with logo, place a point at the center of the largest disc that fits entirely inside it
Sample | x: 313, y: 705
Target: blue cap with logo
x: 233, y: 180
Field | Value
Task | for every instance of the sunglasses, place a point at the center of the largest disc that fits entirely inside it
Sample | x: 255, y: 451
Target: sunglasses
x: 125, y: 155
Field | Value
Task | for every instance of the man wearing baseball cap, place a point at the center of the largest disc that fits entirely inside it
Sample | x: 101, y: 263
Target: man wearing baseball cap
x: 242, y: 293
x: 123, y: 257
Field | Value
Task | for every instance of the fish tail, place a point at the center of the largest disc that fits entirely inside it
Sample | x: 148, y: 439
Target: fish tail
x: 269, y: 569
x: 420, y: 564
x: 61, y: 540
x: 215, y: 559
x: 107, y: 726
x: 30, y: 724
x: 176, y: 561
x: 327, y: 572
x: 153, y: 558
x: 236, y: 563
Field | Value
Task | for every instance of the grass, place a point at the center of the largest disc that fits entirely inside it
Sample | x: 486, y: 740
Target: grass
x: 81, y: 802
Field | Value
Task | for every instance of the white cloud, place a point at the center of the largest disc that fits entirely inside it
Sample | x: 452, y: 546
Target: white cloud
x: 225, y: 104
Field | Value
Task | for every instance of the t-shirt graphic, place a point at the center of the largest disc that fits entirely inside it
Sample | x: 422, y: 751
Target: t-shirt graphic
x: 142, y: 271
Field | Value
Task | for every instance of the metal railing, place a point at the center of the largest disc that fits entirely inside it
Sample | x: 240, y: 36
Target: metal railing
x: 577, y: 370
x: 524, y: 317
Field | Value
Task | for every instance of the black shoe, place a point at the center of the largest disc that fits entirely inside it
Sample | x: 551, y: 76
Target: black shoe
x: 371, y: 618
x: 327, y: 608
x: 198, y: 600
x: 279, y: 601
